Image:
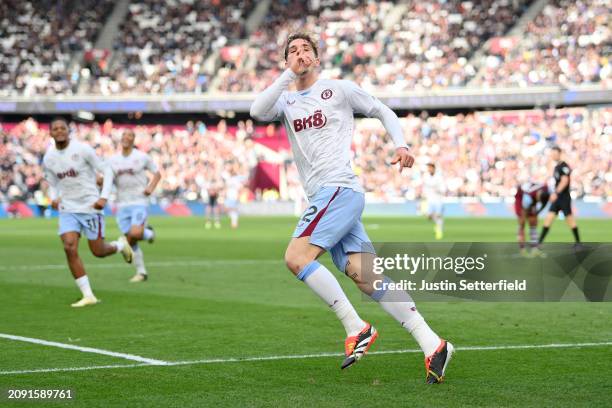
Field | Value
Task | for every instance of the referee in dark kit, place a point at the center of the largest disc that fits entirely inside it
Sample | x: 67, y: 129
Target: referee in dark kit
x: 560, y: 198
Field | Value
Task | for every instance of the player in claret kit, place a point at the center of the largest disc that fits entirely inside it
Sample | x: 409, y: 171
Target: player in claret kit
x: 530, y: 199
x: 319, y: 119
x: 130, y: 168
x: 70, y: 169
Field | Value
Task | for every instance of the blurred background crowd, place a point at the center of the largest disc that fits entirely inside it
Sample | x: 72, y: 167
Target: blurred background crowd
x: 483, y: 154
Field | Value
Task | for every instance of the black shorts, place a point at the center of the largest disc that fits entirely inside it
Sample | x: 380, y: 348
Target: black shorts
x: 563, y: 203
x: 212, y: 200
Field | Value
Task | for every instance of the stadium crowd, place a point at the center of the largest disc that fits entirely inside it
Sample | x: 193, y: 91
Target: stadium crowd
x: 483, y: 155
x: 568, y: 43
x: 39, y: 41
x: 199, y: 46
x: 163, y: 46
x: 427, y: 46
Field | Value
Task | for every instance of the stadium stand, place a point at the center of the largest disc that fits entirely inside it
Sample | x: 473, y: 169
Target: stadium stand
x: 163, y: 46
x: 41, y: 42
x: 568, y: 43
x: 484, y: 154
x: 427, y: 46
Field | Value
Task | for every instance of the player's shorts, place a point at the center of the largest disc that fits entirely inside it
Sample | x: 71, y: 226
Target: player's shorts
x: 131, y: 215
x: 212, y: 200
x: 435, y: 207
x: 231, y: 204
x: 524, y: 202
x: 333, y: 222
x: 563, y: 204
x: 92, y: 224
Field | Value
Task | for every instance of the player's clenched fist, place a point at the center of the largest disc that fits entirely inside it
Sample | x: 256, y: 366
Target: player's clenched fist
x: 403, y: 157
x: 99, y: 205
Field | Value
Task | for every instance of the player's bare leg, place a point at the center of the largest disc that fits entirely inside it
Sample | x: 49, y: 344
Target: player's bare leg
x: 301, y: 259
x: 71, y: 246
x: 135, y: 234
x: 402, y: 308
x: 521, y: 235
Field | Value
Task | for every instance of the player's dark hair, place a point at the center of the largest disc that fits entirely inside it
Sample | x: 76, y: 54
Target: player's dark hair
x: 303, y: 36
x: 59, y: 119
x: 556, y: 148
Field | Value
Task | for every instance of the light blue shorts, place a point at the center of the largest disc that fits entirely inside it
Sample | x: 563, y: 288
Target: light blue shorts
x: 435, y: 207
x: 131, y: 215
x: 92, y: 224
x: 333, y: 222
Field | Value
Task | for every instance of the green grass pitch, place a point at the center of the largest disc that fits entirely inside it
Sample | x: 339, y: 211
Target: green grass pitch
x: 223, y: 294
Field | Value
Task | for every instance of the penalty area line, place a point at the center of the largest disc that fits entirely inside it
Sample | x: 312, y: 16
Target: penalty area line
x: 306, y: 356
x: 132, y: 357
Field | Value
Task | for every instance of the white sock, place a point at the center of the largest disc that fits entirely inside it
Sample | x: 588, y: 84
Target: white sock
x: 324, y: 284
x: 400, y: 305
x: 147, y: 234
x: 119, y: 245
x: 83, y: 284
x: 139, y: 261
x: 234, y: 218
x: 440, y: 223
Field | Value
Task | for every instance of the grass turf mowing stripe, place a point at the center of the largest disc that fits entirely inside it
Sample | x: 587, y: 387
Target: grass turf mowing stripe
x: 159, y: 264
x: 306, y: 356
x: 125, y: 356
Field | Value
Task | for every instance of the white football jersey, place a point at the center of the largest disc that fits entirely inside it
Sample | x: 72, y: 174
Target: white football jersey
x: 434, y: 187
x: 131, y: 177
x: 71, y: 174
x: 319, y: 122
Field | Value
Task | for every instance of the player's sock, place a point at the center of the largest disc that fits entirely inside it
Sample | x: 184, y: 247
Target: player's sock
x: 234, y: 218
x: 543, y: 234
x: 147, y: 234
x: 139, y: 260
x: 83, y: 284
x: 119, y: 245
x: 533, y: 236
x: 576, y: 236
x: 324, y: 284
x: 521, y: 236
x: 440, y: 223
x: 400, y: 305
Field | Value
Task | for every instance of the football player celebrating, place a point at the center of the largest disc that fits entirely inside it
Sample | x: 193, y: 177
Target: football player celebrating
x: 130, y: 168
x: 70, y: 169
x: 319, y: 119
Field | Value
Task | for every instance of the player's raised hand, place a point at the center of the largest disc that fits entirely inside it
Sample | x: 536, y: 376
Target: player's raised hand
x: 100, y: 204
x: 301, y: 64
x: 403, y: 157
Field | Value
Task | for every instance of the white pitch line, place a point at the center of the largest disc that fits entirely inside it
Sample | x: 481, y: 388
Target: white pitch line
x: 212, y: 262
x: 125, y: 356
x: 307, y: 356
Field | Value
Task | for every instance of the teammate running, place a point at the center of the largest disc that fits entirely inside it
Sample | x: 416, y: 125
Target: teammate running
x: 130, y: 168
x: 319, y: 120
x: 70, y: 169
